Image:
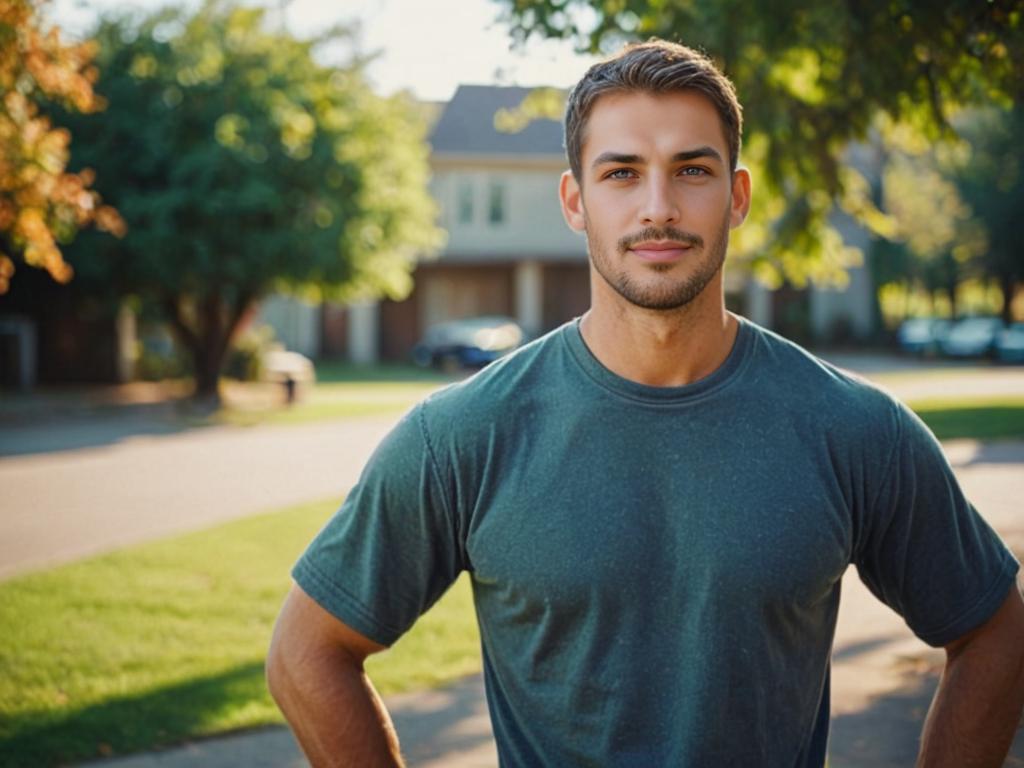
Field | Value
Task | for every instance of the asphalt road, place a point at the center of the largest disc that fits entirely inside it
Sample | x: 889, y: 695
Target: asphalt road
x: 126, y: 483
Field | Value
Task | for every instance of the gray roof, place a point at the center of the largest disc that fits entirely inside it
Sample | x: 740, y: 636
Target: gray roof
x: 467, y: 125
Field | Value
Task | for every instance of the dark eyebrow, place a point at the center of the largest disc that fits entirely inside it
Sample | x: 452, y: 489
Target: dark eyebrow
x: 678, y: 157
x: 616, y: 157
x: 693, y: 154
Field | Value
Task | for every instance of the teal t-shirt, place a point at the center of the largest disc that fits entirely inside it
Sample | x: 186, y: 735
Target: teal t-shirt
x: 656, y: 571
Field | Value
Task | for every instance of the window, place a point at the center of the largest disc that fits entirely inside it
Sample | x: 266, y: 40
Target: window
x: 496, y: 203
x: 465, y: 203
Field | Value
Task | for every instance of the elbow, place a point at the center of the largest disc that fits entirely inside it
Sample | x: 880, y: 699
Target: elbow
x: 279, y: 678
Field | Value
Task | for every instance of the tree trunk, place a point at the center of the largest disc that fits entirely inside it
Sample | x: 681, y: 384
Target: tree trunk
x: 950, y: 289
x: 1008, y: 287
x: 208, y: 344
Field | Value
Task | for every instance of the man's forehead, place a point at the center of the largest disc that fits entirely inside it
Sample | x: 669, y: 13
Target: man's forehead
x: 625, y: 122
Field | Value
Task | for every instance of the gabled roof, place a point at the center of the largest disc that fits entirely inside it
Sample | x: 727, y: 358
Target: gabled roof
x: 467, y: 125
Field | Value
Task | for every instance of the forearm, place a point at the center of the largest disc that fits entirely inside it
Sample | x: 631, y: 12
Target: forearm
x: 976, y: 710
x: 334, y: 711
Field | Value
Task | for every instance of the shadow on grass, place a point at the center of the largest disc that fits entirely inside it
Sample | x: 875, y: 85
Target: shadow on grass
x: 335, y: 371
x: 161, y: 717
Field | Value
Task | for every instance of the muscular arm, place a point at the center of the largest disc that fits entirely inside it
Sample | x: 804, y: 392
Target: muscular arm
x: 977, y: 707
x: 315, y: 674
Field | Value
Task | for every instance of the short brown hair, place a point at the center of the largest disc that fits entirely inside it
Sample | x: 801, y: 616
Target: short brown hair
x: 656, y: 66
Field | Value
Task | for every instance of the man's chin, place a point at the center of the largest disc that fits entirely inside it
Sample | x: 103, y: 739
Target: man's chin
x: 660, y: 300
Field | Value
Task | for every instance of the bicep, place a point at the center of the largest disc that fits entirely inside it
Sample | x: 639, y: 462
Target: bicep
x: 305, y: 628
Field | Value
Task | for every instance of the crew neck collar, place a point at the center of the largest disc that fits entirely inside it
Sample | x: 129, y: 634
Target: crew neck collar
x: 633, y: 390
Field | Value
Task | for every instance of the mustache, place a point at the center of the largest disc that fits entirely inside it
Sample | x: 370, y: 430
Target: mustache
x: 660, y: 233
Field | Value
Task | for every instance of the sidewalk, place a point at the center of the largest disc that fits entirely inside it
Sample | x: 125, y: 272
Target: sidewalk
x: 447, y: 728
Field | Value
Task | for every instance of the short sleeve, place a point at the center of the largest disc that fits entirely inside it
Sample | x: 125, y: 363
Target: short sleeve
x: 924, y: 550
x: 391, y: 550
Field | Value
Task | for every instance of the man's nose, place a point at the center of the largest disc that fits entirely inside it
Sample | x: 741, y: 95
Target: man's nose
x: 659, y: 206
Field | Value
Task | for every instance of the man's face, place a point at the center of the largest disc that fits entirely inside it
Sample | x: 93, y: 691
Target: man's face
x: 656, y: 197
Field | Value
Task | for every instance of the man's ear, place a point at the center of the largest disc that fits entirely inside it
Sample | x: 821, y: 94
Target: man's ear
x: 571, y: 196
x: 741, y: 191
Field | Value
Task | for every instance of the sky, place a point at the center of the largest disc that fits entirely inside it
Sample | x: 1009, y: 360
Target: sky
x: 426, y: 46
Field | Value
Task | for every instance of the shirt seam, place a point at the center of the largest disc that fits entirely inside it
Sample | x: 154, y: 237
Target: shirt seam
x: 685, y: 401
x: 889, y: 469
x: 385, y: 632
x: 435, y: 471
x: 979, y: 608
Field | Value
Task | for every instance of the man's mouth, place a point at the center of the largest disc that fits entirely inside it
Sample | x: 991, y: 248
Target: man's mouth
x: 660, y: 251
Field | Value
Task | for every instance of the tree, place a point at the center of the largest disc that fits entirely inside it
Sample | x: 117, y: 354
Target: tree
x: 42, y: 205
x: 937, y: 242
x: 244, y: 166
x: 991, y: 180
x: 814, y: 77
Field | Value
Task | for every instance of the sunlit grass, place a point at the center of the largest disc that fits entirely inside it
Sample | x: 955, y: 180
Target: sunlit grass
x: 165, y: 641
x: 981, y: 418
x: 253, y: 404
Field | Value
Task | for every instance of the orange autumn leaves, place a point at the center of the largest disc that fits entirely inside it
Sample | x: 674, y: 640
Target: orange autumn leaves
x: 40, y: 203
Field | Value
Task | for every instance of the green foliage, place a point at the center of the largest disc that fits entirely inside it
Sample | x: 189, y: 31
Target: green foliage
x: 165, y: 642
x: 954, y: 206
x: 991, y: 181
x: 242, y: 165
x: 814, y: 77
x: 245, y: 360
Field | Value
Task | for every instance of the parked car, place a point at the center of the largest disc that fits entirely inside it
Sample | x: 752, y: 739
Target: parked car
x: 971, y: 337
x: 1010, y: 344
x: 922, y: 335
x: 470, y: 343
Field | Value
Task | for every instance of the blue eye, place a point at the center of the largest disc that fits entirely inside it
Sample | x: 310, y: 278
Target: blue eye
x: 693, y: 171
x: 620, y: 173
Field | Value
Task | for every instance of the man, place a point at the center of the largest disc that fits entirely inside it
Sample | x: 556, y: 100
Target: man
x: 656, y: 503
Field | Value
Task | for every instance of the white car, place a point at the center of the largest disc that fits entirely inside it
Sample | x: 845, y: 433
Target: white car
x: 922, y: 335
x: 971, y: 337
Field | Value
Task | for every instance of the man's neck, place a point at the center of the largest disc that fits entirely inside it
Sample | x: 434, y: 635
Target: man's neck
x: 660, y: 349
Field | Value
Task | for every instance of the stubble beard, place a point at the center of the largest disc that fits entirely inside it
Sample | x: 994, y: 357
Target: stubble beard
x: 667, y: 294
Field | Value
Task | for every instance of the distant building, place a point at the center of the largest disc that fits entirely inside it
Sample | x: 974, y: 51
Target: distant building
x: 509, y: 252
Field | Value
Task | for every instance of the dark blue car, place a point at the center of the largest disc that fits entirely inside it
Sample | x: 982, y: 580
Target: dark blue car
x: 469, y: 343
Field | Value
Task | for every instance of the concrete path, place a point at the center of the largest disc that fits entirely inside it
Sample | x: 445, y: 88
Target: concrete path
x: 449, y: 728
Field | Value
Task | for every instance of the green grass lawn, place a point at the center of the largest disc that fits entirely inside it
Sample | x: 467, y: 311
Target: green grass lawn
x: 988, y: 418
x: 342, y: 390
x: 165, y: 641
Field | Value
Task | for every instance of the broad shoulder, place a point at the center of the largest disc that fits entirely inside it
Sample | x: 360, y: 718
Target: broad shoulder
x: 804, y: 383
x: 506, y: 391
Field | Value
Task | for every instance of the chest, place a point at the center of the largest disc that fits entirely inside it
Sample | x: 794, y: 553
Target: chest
x: 660, y: 514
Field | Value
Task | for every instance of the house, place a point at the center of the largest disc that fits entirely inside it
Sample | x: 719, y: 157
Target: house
x: 509, y: 252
